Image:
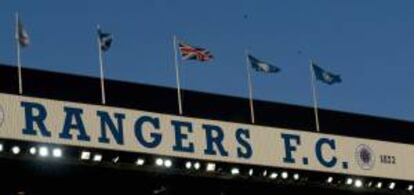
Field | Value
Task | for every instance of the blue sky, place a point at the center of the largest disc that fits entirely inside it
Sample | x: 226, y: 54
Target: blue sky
x: 370, y: 43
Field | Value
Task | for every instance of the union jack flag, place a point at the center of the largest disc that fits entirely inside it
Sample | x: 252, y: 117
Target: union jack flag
x: 21, y: 34
x: 189, y: 52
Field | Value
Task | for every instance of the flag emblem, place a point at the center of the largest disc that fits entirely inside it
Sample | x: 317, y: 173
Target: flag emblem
x: 22, y: 35
x: 262, y: 66
x: 325, y: 76
x: 189, y: 52
x: 105, y: 40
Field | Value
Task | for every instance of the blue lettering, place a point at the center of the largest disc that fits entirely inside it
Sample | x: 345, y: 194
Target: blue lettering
x: 245, y: 149
x: 289, y: 147
x: 117, y: 131
x: 318, y: 149
x: 212, y: 140
x: 180, y: 136
x: 74, y: 114
x: 32, y: 119
x: 156, y: 137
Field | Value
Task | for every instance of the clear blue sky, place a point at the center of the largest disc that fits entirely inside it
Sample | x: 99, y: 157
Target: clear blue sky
x: 370, y: 43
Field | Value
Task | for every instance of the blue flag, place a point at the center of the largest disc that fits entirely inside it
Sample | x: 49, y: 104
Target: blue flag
x: 262, y: 66
x: 105, y: 40
x: 325, y: 76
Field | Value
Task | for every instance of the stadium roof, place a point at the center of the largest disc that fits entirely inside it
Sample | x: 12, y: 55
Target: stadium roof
x: 69, y: 87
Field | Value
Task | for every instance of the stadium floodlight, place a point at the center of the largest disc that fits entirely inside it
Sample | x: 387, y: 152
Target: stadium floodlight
x: 349, y: 181
x: 97, y: 158
x: 159, y: 162
x: 273, y: 176
x: 57, y: 152
x: 15, y: 150
x: 285, y: 175
x: 235, y: 171
x: 32, y: 150
x: 358, y: 183
x: 410, y: 188
x: 379, y: 185
x: 115, y: 160
x: 296, y: 176
x: 188, y: 165
x: 391, y: 186
x: 85, y: 155
x: 140, y: 161
x: 44, y: 151
x: 168, y: 163
x: 211, y: 167
x: 329, y: 180
x: 251, y: 172
x: 197, y: 166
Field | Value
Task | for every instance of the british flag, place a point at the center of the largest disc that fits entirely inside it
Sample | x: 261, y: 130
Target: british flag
x: 21, y: 34
x: 189, y: 52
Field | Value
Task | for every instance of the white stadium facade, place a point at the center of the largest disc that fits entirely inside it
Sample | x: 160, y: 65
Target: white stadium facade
x: 57, y: 138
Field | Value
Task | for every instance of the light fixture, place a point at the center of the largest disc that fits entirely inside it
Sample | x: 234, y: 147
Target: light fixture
x: 211, y: 167
x: 379, y: 185
x: 349, y: 181
x: 235, y: 171
x: 358, y: 183
x: 273, y: 176
x: 85, y: 155
x: 159, y: 162
x: 296, y: 176
x: 251, y: 172
x: 115, y: 160
x: 44, y: 152
x: 285, y: 175
x: 391, y: 186
x: 32, y: 150
x: 410, y: 188
x: 188, y: 165
x: 140, y: 162
x: 97, y: 158
x: 15, y: 150
x: 168, y: 163
x: 57, y: 152
x: 264, y: 173
x: 1, y: 147
x: 329, y: 180
x: 197, y: 165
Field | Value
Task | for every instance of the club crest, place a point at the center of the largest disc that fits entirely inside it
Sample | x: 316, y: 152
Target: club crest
x: 365, y: 157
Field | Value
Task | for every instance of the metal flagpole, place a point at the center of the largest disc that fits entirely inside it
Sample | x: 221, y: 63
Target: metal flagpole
x: 315, y: 96
x: 250, y: 86
x: 177, y: 74
x: 101, y: 70
x: 19, y: 65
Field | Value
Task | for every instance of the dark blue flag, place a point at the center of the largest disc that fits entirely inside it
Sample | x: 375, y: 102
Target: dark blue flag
x: 105, y: 40
x: 325, y: 76
x: 262, y: 66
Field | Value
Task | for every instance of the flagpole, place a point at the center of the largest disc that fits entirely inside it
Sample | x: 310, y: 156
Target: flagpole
x: 177, y: 75
x: 19, y: 65
x: 103, y: 98
x: 250, y: 86
x: 315, y: 96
